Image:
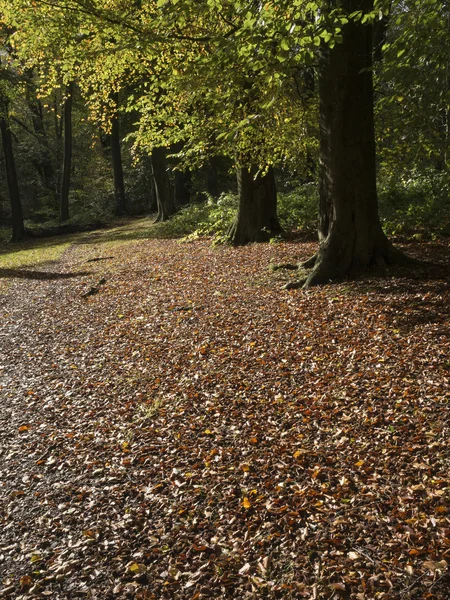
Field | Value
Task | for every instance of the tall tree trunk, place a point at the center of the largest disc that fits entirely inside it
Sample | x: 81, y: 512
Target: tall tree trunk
x: 45, y: 162
x: 116, y: 157
x: 164, y: 196
x: 48, y: 173
x: 18, y: 230
x: 182, y: 187
x: 350, y: 233
x: 256, y: 220
x: 212, y: 177
x: 67, y: 156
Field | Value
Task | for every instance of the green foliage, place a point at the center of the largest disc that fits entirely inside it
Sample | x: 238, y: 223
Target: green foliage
x: 413, y: 88
x: 416, y: 206
x: 298, y: 209
x: 209, y: 218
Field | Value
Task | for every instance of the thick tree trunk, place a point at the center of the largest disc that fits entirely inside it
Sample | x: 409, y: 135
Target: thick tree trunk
x: 350, y: 232
x: 257, y: 219
x: 67, y: 156
x: 18, y: 230
x: 116, y: 158
x: 164, y: 196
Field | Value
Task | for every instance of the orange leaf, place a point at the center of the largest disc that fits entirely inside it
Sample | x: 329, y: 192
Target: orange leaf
x: 26, y: 581
x: 246, y: 503
x: 24, y: 428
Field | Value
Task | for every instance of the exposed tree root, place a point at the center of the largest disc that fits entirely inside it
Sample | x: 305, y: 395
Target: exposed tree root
x: 325, y: 266
x: 311, y: 262
x: 286, y: 266
x: 295, y: 285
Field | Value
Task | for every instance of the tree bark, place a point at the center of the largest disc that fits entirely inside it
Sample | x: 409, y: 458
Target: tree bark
x: 18, y: 230
x: 212, y: 177
x: 182, y: 187
x: 256, y: 220
x: 350, y: 233
x: 164, y: 196
x: 67, y: 155
x: 116, y: 158
x: 44, y: 163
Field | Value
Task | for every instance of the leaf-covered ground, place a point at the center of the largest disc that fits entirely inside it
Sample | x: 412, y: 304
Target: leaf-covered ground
x: 175, y: 425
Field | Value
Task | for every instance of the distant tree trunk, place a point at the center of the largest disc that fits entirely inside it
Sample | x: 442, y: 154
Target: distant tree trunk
x: 164, y: 196
x: 116, y: 157
x: 256, y: 220
x: 67, y: 155
x: 48, y: 173
x: 182, y: 187
x: 44, y: 163
x: 18, y: 230
x: 350, y: 232
x: 212, y: 177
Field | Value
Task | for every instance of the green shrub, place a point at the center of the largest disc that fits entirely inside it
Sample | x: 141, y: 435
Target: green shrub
x: 298, y: 209
x: 418, y: 205
x: 209, y: 218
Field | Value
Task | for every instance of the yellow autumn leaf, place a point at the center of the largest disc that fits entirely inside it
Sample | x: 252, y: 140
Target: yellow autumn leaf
x: 246, y: 503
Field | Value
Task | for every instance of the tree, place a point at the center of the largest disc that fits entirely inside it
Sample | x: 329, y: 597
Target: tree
x: 8, y: 78
x: 18, y: 230
x: 116, y: 158
x: 164, y: 196
x: 67, y: 154
x: 256, y: 220
x: 350, y: 233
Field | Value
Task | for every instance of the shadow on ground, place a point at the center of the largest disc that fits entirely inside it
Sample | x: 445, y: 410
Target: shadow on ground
x: 42, y: 275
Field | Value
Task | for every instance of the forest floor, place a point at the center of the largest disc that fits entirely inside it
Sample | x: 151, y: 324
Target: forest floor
x: 175, y: 425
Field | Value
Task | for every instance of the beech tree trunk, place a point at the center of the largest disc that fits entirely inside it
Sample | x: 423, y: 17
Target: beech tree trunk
x: 212, y: 177
x: 116, y: 159
x: 350, y: 233
x: 18, y: 230
x: 164, y: 197
x: 256, y: 220
x: 182, y: 187
x: 45, y: 162
x: 67, y: 155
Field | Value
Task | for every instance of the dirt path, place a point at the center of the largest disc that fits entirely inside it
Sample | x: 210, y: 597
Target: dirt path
x: 191, y: 430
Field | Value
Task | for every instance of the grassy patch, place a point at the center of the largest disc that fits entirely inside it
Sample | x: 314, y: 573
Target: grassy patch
x: 28, y: 255
x: 21, y: 256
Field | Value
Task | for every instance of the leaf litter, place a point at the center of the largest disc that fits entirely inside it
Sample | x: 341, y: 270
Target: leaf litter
x: 194, y: 431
